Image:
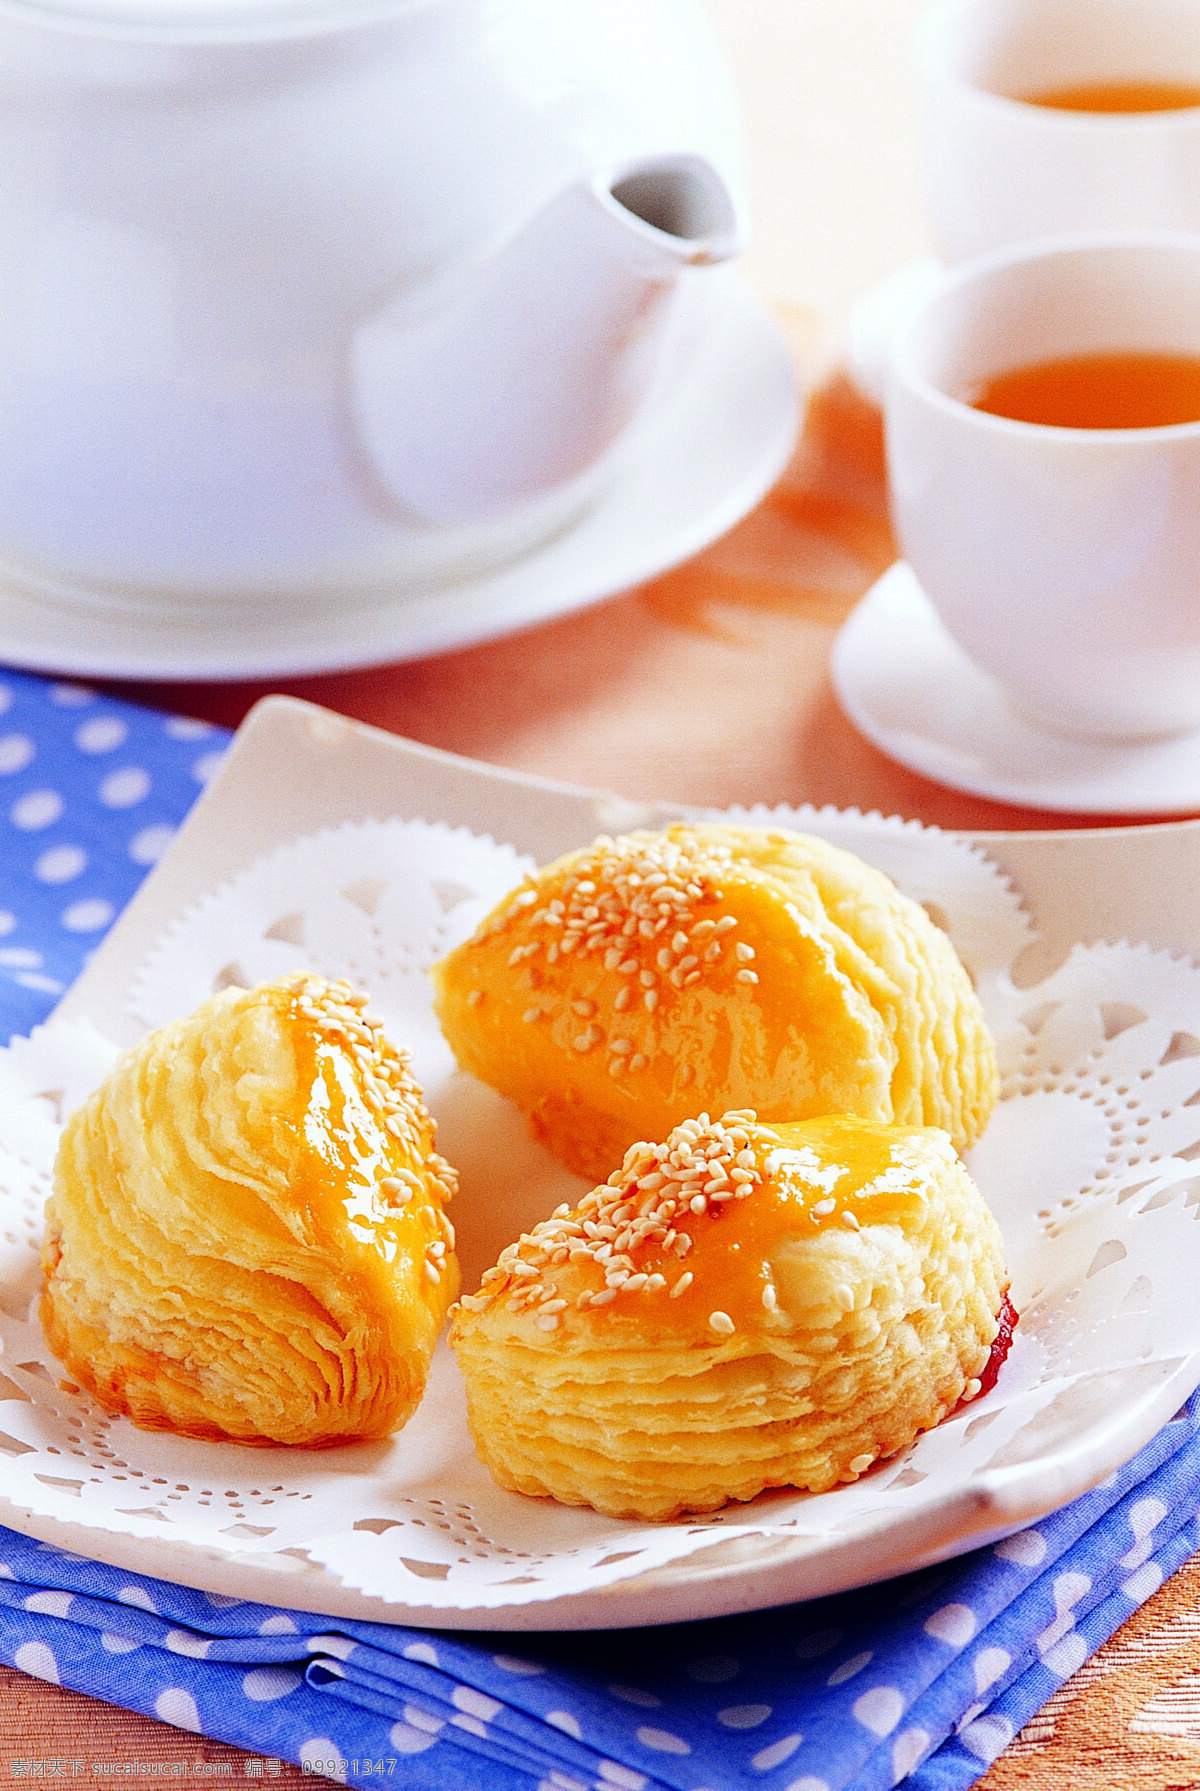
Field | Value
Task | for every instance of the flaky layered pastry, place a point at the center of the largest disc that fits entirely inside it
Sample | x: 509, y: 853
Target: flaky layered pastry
x: 246, y: 1237
x: 625, y: 987
x: 740, y: 1307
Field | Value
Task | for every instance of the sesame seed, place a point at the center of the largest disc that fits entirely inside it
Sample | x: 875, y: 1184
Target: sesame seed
x: 861, y: 1463
x: 743, y: 952
x: 726, y: 924
x: 475, y: 997
x: 845, y: 1297
x: 682, y: 1285
x: 623, y: 1047
x: 972, y: 1389
x: 721, y: 1323
x: 823, y: 1208
x: 531, y: 1014
x: 770, y: 1298
x: 622, y: 999
x: 547, y: 1321
x: 851, y: 1220
x: 630, y: 1213
x: 747, y: 976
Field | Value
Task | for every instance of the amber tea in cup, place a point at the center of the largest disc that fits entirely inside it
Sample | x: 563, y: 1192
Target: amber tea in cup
x: 1118, y: 96
x: 1050, y: 118
x: 1131, y: 390
x: 1064, y: 561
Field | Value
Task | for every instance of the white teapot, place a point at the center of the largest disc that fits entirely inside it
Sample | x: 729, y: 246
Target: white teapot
x: 302, y: 299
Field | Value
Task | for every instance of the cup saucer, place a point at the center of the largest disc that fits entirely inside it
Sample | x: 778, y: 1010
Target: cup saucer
x: 913, y: 692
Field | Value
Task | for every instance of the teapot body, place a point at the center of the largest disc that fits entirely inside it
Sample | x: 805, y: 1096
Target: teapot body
x: 216, y: 228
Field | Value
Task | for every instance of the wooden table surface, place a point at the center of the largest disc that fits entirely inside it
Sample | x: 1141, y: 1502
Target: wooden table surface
x: 708, y: 685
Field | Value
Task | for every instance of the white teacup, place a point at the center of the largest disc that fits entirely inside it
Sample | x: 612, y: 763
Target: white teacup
x: 1064, y: 561
x: 998, y: 169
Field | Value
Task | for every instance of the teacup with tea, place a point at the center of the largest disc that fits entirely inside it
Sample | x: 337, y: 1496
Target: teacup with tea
x: 1050, y: 117
x: 1042, y: 417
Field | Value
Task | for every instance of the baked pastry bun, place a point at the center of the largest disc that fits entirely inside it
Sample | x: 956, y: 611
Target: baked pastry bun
x: 246, y: 1236
x: 743, y: 1306
x: 627, y: 986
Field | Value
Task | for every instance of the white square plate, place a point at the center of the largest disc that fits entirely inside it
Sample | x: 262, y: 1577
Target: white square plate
x: 1088, y: 1162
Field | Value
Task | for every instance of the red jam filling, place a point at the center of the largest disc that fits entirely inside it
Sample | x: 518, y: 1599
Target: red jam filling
x: 1006, y: 1318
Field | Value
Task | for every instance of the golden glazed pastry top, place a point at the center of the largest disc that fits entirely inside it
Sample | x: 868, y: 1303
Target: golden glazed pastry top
x: 701, y: 1238
x: 246, y: 1236
x: 739, y: 1307
x: 627, y: 986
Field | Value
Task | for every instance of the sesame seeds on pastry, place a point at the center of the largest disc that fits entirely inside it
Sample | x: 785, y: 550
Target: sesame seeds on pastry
x: 624, y: 987
x: 741, y: 1306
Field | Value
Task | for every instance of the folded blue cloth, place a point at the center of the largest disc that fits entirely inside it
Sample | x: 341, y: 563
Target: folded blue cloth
x: 922, y: 1680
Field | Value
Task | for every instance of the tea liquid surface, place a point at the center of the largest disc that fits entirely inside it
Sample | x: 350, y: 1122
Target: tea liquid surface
x: 1097, y: 391
x: 1119, y: 96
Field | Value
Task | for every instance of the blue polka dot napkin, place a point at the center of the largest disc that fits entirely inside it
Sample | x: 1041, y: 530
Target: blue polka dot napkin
x: 920, y: 1681
x: 91, y: 791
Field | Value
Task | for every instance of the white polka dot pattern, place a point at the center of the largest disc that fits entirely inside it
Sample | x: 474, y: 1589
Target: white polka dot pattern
x: 921, y: 1683
x: 92, y: 791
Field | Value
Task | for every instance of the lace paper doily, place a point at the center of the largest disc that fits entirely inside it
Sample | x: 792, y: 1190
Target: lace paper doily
x: 1088, y: 1164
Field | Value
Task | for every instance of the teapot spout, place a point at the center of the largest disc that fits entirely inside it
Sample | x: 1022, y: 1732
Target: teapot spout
x: 683, y: 202
x: 514, y: 385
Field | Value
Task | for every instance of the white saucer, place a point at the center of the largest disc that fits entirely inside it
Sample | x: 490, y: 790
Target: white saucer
x: 913, y: 692
x: 694, y: 468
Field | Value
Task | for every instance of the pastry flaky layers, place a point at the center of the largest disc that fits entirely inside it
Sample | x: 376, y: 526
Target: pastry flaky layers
x: 246, y: 1236
x: 625, y: 987
x: 740, y: 1307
